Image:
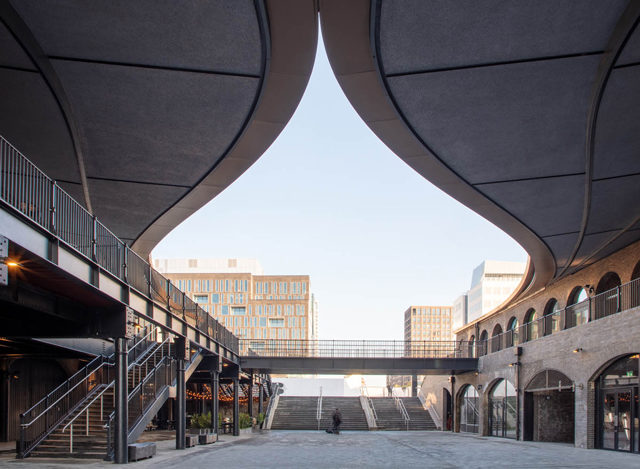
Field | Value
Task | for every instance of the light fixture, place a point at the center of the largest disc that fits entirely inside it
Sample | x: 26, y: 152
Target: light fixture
x: 577, y: 350
x: 13, y: 264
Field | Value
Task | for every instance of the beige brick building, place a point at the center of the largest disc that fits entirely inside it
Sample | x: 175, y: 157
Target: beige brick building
x: 428, y: 323
x: 251, y: 305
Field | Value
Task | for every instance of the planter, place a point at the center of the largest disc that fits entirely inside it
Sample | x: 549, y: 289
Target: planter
x: 207, y: 438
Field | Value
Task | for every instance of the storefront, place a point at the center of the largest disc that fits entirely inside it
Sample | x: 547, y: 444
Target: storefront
x: 618, y: 409
x: 502, y: 410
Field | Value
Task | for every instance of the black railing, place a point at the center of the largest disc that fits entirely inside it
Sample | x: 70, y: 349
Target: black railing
x: 354, y: 348
x: 26, y: 189
x: 604, y: 304
x: 158, y: 372
x: 37, y: 422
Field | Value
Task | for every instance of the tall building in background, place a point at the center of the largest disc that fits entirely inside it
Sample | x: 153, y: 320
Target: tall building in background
x: 251, y: 305
x: 428, y: 323
x: 460, y: 311
x: 492, y: 283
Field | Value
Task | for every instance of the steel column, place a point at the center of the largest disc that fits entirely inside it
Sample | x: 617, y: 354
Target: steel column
x: 181, y: 406
x: 122, y: 398
x: 260, y: 397
x: 250, y: 397
x: 215, y: 384
x: 236, y: 406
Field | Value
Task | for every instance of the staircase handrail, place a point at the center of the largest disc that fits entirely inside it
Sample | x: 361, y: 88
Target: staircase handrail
x: 85, y: 370
x: 403, y: 410
x: 105, y: 389
x: 138, y: 388
x: 54, y: 412
x: 60, y: 398
x: 319, y: 408
x: 373, y: 409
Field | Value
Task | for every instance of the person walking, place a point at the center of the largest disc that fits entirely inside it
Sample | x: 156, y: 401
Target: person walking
x: 337, y: 420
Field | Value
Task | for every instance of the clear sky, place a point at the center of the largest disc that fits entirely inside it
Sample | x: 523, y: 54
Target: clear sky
x: 330, y: 200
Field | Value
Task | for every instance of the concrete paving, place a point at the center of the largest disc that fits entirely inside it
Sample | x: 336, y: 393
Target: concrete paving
x: 311, y: 449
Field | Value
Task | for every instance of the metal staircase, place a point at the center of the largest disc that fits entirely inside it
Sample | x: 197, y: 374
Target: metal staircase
x: 76, y: 419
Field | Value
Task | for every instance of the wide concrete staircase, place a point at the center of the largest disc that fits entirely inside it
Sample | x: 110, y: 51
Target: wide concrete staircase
x: 353, y: 417
x: 300, y: 413
x: 420, y: 418
x: 296, y: 413
x: 388, y: 415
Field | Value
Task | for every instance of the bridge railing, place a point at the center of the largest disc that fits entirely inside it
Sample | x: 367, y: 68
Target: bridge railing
x: 298, y: 348
x: 29, y: 191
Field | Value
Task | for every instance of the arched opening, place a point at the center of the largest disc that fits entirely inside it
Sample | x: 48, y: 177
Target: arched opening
x: 577, y: 311
x: 502, y: 410
x: 447, y: 410
x: 618, y: 407
x: 607, y: 299
x: 551, y: 317
x: 549, y: 410
x: 634, y: 287
x: 531, y: 325
x: 469, y: 409
x: 482, y: 345
x: 512, y: 332
x: 472, y: 347
x: 496, y: 338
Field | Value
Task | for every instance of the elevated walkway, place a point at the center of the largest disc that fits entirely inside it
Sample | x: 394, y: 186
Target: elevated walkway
x: 376, y: 357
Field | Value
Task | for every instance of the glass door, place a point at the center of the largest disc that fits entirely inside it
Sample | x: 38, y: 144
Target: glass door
x: 617, y: 419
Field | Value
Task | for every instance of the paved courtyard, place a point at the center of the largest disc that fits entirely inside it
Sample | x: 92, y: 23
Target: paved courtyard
x: 300, y: 449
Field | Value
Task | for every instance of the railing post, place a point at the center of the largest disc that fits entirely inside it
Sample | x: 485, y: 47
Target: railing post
x: 94, y: 239
x: 52, y: 208
x: 125, y: 263
x: 589, y: 314
x: 618, y: 299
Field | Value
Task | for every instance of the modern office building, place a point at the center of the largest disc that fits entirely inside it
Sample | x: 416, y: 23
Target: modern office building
x: 491, y: 284
x: 427, y: 323
x: 460, y: 311
x: 251, y: 305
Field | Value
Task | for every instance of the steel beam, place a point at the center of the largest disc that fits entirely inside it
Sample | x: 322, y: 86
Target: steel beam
x: 236, y: 405
x: 181, y: 405
x: 215, y: 385
x: 122, y: 400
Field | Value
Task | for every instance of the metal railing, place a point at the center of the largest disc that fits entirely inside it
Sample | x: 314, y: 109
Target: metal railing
x: 319, y: 408
x: 616, y: 300
x: 44, y: 416
x: 27, y: 190
x: 353, y: 348
x: 403, y: 411
x: 160, y: 372
x: 87, y: 413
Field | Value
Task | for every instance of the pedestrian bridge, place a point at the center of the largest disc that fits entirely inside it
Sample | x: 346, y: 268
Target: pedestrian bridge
x: 373, y: 357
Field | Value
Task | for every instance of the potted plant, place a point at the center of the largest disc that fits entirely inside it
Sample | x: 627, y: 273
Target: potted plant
x: 203, y: 423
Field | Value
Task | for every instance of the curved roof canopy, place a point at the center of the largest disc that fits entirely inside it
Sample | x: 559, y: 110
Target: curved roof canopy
x: 146, y: 110
x: 526, y: 112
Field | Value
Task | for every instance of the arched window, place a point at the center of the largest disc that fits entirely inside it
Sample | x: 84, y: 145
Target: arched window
x: 577, y: 311
x: 496, y: 338
x: 482, y: 345
x: 531, y: 325
x: 607, y: 299
x: 472, y: 347
x: 634, y: 287
x: 469, y: 410
x: 512, y: 332
x: 551, y: 317
x: 502, y: 410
